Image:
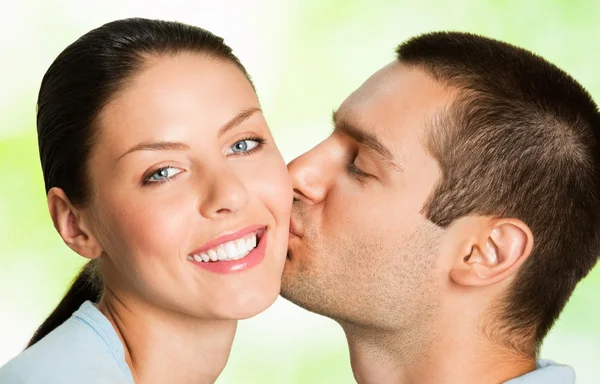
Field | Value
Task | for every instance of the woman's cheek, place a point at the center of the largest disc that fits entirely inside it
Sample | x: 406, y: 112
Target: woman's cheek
x: 279, y: 195
x: 152, y: 229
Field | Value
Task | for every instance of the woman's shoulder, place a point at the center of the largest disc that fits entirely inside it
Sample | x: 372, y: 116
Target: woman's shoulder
x: 85, y: 348
x: 22, y: 371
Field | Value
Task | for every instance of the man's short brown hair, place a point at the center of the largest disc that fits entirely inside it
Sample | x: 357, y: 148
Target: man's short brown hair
x: 522, y: 141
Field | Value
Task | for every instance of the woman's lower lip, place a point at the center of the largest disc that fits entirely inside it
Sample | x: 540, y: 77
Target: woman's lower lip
x: 255, y: 257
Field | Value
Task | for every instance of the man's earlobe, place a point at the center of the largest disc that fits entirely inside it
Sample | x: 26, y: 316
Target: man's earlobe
x: 495, y: 252
x: 70, y: 225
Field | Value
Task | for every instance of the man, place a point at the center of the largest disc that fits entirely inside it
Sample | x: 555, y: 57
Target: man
x: 448, y: 218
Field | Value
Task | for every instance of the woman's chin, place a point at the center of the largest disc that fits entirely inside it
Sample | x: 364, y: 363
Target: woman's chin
x: 249, y: 303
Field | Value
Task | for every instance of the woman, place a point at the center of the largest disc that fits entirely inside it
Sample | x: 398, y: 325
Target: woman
x: 160, y: 168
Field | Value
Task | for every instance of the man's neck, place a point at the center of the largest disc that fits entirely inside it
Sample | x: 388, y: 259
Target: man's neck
x: 456, y: 356
x: 162, y: 346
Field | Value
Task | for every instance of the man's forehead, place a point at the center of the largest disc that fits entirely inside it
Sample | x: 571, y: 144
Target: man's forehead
x: 397, y: 97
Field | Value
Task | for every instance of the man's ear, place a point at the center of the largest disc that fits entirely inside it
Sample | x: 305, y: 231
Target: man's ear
x: 491, y: 251
x: 71, y: 226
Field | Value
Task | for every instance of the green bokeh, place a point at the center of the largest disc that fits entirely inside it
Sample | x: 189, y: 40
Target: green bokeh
x: 322, y: 51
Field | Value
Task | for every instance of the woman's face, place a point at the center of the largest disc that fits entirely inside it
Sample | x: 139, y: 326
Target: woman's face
x: 191, y: 196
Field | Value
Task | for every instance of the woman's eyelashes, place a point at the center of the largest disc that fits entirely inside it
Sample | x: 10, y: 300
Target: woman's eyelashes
x: 168, y: 173
x: 162, y: 175
x: 246, y: 146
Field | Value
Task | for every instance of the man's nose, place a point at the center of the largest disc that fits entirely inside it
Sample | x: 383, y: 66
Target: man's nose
x: 309, y: 175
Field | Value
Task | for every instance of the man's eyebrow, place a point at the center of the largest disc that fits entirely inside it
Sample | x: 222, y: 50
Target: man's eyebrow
x: 367, y: 139
x: 178, y: 146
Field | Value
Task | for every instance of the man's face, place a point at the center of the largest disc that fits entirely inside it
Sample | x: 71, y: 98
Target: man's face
x: 360, y: 250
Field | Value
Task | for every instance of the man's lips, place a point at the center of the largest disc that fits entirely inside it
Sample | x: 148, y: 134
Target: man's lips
x: 294, y: 229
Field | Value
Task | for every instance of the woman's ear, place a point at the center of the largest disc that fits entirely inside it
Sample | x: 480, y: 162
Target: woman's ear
x: 71, y: 226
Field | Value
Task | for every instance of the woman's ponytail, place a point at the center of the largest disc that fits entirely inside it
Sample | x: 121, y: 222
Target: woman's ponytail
x: 85, y: 287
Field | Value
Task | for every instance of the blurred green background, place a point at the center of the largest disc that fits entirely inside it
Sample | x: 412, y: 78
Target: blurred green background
x: 305, y: 58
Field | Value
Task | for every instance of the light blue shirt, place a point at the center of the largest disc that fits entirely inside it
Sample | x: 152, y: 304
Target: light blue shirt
x: 84, y: 349
x: 87, y: 349
x: 547, y: 372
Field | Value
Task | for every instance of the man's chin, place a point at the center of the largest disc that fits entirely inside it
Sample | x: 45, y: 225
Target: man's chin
x: 297, y: 288
x: 288, y: 275
x: 309, y: 302
x: 291, y: 286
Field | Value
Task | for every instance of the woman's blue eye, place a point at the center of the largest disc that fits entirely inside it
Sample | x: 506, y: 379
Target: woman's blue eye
x: 243, y: 146
x: 163, y: 174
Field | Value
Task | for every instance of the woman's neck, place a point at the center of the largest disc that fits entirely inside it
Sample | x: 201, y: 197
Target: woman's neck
x: 163, y: 346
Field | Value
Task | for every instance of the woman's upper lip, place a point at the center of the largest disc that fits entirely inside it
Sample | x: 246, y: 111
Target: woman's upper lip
x: 229, y: 236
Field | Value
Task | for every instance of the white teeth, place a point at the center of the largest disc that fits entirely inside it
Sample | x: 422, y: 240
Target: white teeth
x: 221, y: 253
x: 241, y: 246
x: 232, y: 250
